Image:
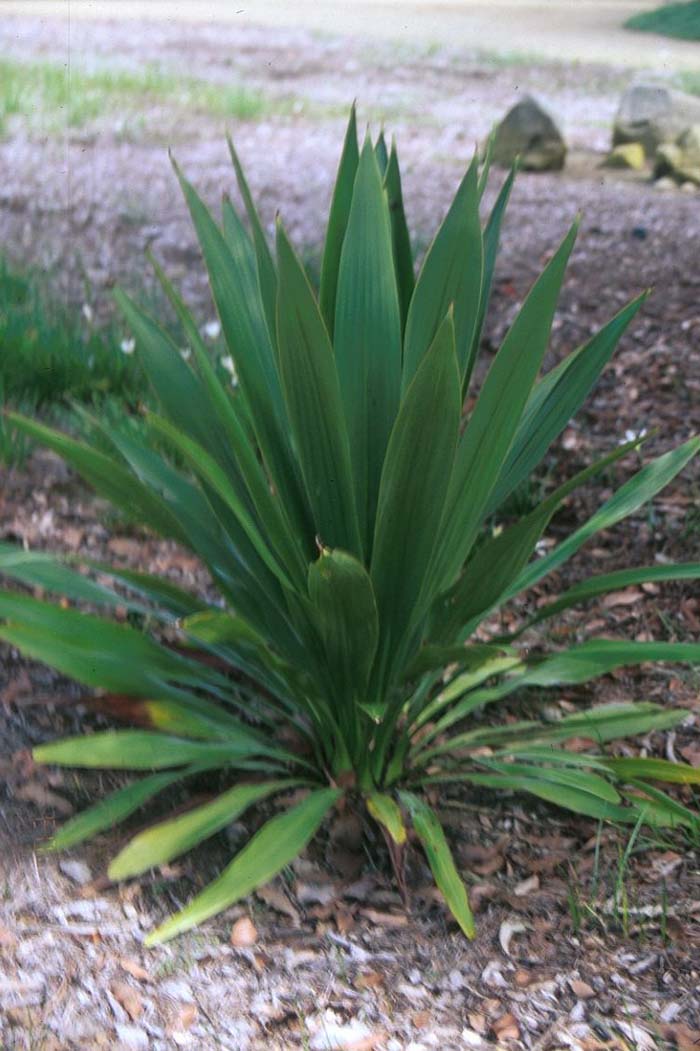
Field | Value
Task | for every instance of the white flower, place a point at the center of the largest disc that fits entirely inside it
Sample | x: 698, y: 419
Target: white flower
x: 185, y: 353
x: 228, y: 364
x: 212, y: 329
x: 127, y: 346
x: 632, y: 436
x: 87, y: 313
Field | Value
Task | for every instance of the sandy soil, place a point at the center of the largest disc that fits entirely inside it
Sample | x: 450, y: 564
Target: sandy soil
x: 568, y: 30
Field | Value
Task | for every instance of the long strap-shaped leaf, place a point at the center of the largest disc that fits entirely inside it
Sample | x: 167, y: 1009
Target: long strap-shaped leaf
x: 234, y: 281
x: 608, y: 582
x: 414, y: 484
x: 495, y: 418
x: 449, y: 882
x: 108, y: 477
x: 179, y: 391
x: 161, y: 843
x: 367, y: 336
x: 210, y: 471
x: 451, y: 273
x: 109, y: 811
x: 143, y: 750
x: 342, y: 597
x: 628, y: 498
x: 274, y: 846
x: 601, y: 724
x: 38, y: 569
x: 497, y: 562
x: 492, y: 234
x: 338, y: 221
x: 270, y: 509
x: 400, y: 237
x: 314, y: 405
x: 267, y: 273
x: 556, y: 398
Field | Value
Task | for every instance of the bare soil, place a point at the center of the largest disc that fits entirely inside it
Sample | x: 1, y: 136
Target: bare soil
x: 574, y: 950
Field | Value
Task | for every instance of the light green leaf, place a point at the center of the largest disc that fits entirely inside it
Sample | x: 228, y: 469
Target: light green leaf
x: 274, y: 846
x: 654, y: 770
x: 386, y: 811
x: 111, y: 810
x: 169, y: 839
x: 437, y: 851
x: 143, y: 750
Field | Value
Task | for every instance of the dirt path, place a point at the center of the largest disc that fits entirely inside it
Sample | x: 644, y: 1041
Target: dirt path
x: 568, y: 30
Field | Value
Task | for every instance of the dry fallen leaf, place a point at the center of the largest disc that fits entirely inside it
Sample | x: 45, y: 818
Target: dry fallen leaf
x: 129, y: 999
x: 580, y: 989
x: 369, y: 980
x: 244, y: 933
x: 39, y: 795
x: 279, y: 901
x: 186, y: 1017
x: 684, y: 1038
x: 506, y: 932
x: 386, y: 919
x: 134, y: 968
x: 506, y: 1027
x: 527, y: 886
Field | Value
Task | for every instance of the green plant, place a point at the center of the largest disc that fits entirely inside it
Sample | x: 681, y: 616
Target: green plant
x: 50, y: 355
x: 345, y: 512
x: 681, y: 20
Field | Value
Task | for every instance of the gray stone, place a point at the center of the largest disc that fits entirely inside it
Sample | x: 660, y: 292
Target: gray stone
x: 75, y: 870
x: 680, y: 160
x: 653, y: 114
x: 527, y: 131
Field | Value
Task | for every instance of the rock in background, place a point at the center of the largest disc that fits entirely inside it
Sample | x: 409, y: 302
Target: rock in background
x: 652, y: 114
x: 527, y: 131
x: 681, y: 159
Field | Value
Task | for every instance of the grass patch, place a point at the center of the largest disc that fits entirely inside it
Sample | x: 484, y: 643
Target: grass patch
x: 689, y: 81
x: 681, y: 21
x: 60, y: 95
x: 51, y: 355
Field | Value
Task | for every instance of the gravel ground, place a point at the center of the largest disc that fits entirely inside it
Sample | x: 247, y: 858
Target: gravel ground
x: 558, y: 962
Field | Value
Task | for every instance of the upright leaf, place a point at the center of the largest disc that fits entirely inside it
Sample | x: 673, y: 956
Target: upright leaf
x: 495, y: 418
x: 338, y: 221
x: 400, y: 237
x: 267, y: 274
x: 556, y: 398
x: 414, y: 484
x: 368, y: 336
x: 451, y: 273
x: 312, y: 395
x: 342, y: 597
